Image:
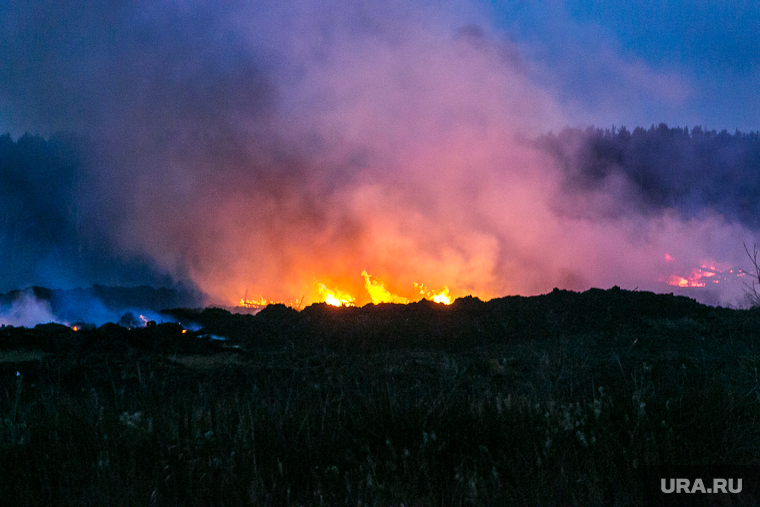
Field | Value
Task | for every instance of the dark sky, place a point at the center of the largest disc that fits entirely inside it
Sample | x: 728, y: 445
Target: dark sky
x: 260, y: 146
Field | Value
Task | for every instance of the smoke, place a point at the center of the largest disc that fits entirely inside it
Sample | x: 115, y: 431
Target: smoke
x: 27, y: 311
x: 260, y: 147
x: 97, y: 305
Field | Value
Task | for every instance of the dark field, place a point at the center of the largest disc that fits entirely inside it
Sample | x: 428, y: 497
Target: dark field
x: 560, y: 399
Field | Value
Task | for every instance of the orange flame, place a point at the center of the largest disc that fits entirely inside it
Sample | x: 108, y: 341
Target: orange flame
x: 714, y: 272
x: 442, y: 296
x: 679, y: 281
x: 262, y: 302
x: 334, y: 297
x: 378, y: 293
x: 255, y: 303
x: 376, y: 290
x: 698, y: 276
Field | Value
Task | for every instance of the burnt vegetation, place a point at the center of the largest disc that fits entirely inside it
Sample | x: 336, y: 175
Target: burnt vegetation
x: 559, y: 399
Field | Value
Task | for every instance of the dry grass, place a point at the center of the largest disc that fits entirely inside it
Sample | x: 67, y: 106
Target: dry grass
x: 209, y: 362
x: 555, y: 419
x: 20, y: 356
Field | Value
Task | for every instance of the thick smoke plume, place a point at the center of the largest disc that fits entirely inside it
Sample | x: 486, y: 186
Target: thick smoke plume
x: 258, y: 148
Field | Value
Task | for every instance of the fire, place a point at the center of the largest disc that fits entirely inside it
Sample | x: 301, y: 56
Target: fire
x: 679, y: 281
x: 334, y: 297
x: 696, y: 278
x: 442, y: 296
x: 262, y: 302
x: 378, y: 293
x: 255, y: 303
x: 713, y: 272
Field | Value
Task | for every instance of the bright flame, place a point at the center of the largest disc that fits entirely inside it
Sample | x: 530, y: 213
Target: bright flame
x: 442, y: 296
x: 376, y: 290
x: 334, y: 297
x: 75, y: 328
x: 379, y: 294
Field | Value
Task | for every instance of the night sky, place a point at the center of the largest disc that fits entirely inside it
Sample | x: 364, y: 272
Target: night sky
x: 258, y: 147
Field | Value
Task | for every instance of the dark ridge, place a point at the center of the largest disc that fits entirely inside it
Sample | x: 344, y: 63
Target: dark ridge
x: 465, y: 323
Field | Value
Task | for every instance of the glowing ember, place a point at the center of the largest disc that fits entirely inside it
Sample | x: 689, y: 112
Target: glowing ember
x: 379, y: 294
x: 334, y: 297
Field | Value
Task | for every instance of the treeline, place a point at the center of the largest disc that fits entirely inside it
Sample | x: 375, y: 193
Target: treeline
x: 687, y: 170
x: 39, y: 186
x: 54, y: 227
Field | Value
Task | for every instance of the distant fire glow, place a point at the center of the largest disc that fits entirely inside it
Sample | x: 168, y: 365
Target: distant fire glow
x: 261, y: 302
x: 707, y: 273
x: 691, y: 281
